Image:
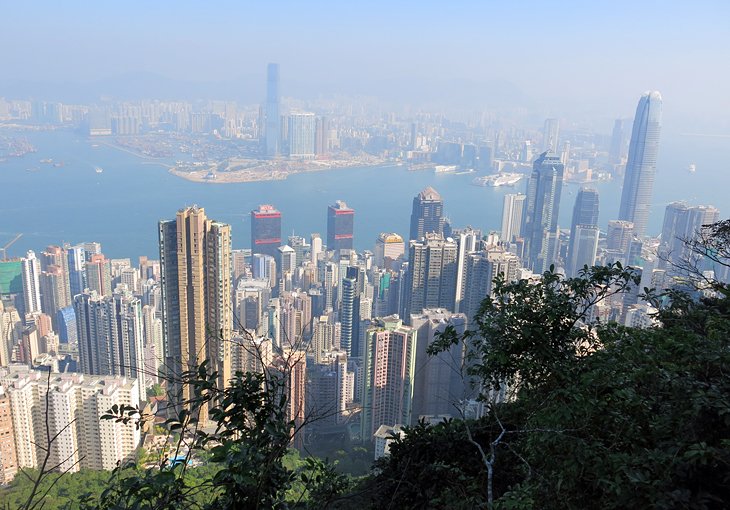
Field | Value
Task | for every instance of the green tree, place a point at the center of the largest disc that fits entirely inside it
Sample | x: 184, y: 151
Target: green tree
x: 579, y: 413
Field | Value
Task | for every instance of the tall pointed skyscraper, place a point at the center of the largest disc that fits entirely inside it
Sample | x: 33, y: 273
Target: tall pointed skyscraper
x: 272, y: 131
x: 195, y: 263
x: 641, y: 163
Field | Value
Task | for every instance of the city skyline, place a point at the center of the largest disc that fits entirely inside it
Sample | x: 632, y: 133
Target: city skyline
x: 243, y: 247
x: 507, y: 74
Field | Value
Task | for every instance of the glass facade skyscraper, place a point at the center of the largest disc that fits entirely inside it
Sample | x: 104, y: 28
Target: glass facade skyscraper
x: 540, y: 217
x: 641, y: 163
x: 273, y: 121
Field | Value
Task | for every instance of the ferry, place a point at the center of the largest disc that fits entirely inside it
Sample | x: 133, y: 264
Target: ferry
x: 503, y: 179
x: 444, y: 169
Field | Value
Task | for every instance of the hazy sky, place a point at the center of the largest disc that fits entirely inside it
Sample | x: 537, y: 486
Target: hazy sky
x: 565, y: 57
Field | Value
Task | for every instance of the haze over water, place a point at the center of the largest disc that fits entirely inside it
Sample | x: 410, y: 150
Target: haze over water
x: 121, y: 206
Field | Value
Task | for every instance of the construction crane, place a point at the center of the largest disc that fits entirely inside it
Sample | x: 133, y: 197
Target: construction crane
x: 12, y: 242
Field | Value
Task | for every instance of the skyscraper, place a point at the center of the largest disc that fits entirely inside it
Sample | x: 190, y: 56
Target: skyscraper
x: 550, y: 135
x: 481, y: 269
x: 57, y: 256
x: 617, y: 151
x: 585, y: 214
x: 432, y: 272
x: 98, y: 275
x: 514, y: 205
x: 349, y: 312
x: 111, y: 335
x: 619, y: 235
x: 8, y: 457
x: 266, y: 230
x: 388, y: 375
x: 427, y: 215
x: 582, y: 250
x: 273, y: 122
x: 67, y: 407
x: 340, y: 226
x: 76, y: 256
x: 682, y: 222
x: 440, y: 380
x: 641, y: 163
x: 302, y: 129
x: 53, y: 293
x: 540, y: 217
x: 195, y: 257
x: 31, y: 285
x: 389, y: 248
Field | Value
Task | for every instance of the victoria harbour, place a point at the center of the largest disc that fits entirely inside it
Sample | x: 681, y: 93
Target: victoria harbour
x: 121, y: 206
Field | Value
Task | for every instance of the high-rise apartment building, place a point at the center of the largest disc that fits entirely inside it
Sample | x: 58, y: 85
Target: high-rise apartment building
x: 74, y: 404
x: 99, y: 275
x: 340, y: 226
x: 388, y: 375
x: 265, y: 230
x: 468, y: 241
x: 76, y: 264
x: 301, y: 135
x: 540, y: 217
x: 111, y: 335
x: 441, y: 381
x: 195, y: 256
x: 57, y: 257
x: 31, y: 283
x: 8, y: 457
x: 11, y: 329
x: 250, y: 301
x: 641, y: 163
x: 514, y: 205
x: 481, y: 269
x: 272, y: 130
x: 427, y: 214
x: 432, y: 274
x: 316, y: 249
x: 682, y: 222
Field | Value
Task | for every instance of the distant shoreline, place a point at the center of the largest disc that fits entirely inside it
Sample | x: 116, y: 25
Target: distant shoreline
x: 269, y: 170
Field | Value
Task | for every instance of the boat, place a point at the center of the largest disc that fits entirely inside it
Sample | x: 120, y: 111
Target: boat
x: 98, y: 169
x: 503, y: 179
x: 692, y: 168
x: 47, y: 161
x: 444, y: 169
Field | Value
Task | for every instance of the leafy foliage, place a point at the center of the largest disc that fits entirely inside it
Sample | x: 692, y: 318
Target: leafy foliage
x: 600, y: 415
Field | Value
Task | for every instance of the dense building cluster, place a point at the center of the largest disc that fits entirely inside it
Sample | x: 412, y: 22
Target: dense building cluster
x: 347, y: 330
